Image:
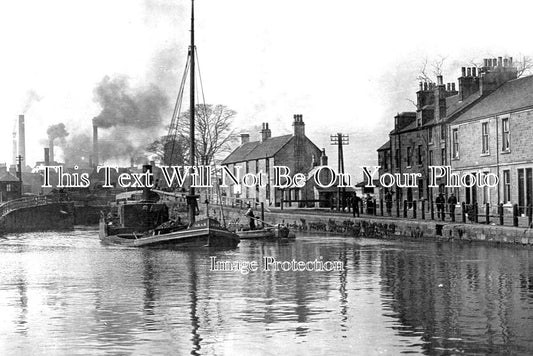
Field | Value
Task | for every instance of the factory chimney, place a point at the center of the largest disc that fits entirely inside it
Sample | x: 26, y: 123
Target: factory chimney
x: 95, y: 145
x: 14, y: 147
x: 46, y: 156
x: 22, y: 141
x: 51, y: 149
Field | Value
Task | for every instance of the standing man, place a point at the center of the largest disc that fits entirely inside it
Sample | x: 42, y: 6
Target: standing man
x: 355, y: 204
x: 440, y: 206
x: 452, y: 201
x: 250, y: 214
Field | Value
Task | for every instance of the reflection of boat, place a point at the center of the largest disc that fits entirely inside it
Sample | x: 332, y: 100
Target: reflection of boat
x: 146, y: 223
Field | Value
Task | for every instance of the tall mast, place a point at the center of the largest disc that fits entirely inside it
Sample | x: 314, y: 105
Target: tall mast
x: 192, y: 197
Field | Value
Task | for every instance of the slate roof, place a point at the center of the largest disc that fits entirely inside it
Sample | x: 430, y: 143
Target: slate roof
x: 8, y: 177
x: 385, y: 146
x: 513, y: 95
x: 257, y: 149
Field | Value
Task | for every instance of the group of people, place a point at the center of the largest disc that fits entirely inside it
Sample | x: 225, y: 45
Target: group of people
x: 441, y: 202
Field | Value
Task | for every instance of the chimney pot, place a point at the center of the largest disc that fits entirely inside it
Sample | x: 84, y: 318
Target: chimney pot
x: 453, y: 86
x: 485, y: 62
x: 510, y: 61
x: 421, y: 86
x: 494, y: 62
x: 474, y: 71
x: 463, y: 71
x: 425, y: 86
x: 468, y: 72
x: 499, y: 61
x: 448, y: 86
x: 505, y: 62
x: 439, y: 79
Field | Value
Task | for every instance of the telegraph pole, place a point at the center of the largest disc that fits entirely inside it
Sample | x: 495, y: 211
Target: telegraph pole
x: 19, y: 173
x: 340, y: 140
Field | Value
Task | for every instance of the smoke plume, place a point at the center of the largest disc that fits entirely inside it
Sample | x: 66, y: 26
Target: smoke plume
x: 57, y: 131
x: 31, y: 97
x: 125, y: 106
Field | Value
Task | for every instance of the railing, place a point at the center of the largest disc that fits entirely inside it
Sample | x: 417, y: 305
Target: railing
x: 28, y: 202
x: 501, y: 214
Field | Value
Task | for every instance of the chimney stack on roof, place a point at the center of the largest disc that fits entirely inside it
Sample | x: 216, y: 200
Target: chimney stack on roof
x: 299, y: 126
x: 323, y: 158
x: 265, y: 132
x: 245, y: 138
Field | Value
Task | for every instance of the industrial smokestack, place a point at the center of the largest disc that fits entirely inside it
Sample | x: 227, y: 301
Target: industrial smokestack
x: 46, y: 156
x: 51, y: 149
x: 14, y: 148
x: 95, y: 145
x: 22, y: 141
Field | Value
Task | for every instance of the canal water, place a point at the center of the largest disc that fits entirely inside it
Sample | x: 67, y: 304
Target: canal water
x: 64, y: 293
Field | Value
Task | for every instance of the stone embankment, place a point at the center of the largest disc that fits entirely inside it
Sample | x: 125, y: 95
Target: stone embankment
x: 383, y: 227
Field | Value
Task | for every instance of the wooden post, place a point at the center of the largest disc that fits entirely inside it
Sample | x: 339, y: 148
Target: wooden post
x: 475, y: 212
x: 500, y: 212
x: 463, y: 211
x: 487, y: 213
x: 515, y: 215
x: 263, y: 213
x: 381, y: 206
x: 422, y: 211
x: 414, y: 209
x: 432, y: 209
x: 529, y: 215
x: 405, y: 209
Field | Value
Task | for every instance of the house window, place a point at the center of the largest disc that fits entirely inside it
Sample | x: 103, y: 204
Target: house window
x: 443, y: 156
x: 430, y: 163
x: 506, y: 186
x: 430, y: 135
x: 419, y: 154
x: 455, y: 143
x: 9, y: 187
x: 506, y: 139
x: 485, y: 137
x: 397, y: 159
x: 408, y: 156
x: 443, y: 132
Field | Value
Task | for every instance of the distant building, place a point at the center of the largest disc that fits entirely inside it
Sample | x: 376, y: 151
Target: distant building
x: 295, y: 151
x: 423, y: 138
x: 496, y: 136
x: 9, y: 187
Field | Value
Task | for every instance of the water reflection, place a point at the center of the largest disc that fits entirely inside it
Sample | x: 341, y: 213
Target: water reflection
x: 461, y: 297
x: 68, y: 291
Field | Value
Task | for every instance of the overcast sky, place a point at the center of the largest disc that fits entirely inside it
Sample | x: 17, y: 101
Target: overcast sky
x: 347, y: 66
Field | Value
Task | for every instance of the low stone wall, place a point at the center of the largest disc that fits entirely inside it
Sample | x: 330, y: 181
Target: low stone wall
x: 56, y: 216
x: 385, y: 227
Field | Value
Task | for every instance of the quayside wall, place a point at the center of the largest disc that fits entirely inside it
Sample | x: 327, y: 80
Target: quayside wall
x: 383, y: 227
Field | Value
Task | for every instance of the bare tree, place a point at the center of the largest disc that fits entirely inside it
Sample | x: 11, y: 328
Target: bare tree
x: 524, y: 66
x: 213, y: 132
x: 435, y: 67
